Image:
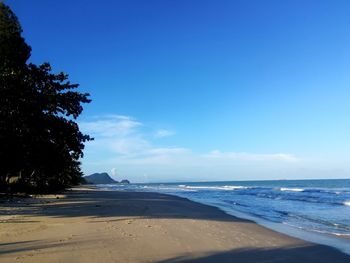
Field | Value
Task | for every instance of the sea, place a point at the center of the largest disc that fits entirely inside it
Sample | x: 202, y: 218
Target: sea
x: 313, y: 210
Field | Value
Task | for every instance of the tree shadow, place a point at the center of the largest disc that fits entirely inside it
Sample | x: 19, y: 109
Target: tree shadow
x: 308, y: 254
x: 100, y: 204
x: 39, y: 246
x: 118, y: 205
x: 23, y: 246
x: 17, y: 222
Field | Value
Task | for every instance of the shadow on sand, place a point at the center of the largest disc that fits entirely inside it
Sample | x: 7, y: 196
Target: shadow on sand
x: 309, y: 254
x: 102, y: 204
x: 99, y: 204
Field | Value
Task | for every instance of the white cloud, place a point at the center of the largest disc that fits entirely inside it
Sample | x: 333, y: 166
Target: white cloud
x: 243, y: 156
x: 114, y: 171
x: 116, y: 133
x: 113, y: 125
x: 163, y: 133
x: 166, y: 151
x: 123, y: 142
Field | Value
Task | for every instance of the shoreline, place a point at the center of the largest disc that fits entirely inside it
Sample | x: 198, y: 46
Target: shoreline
x: 91, y: 225
x: 307, y: 236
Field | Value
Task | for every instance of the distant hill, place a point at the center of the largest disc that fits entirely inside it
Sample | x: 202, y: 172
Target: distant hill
x: 125, y: 181
x: 99, y: 178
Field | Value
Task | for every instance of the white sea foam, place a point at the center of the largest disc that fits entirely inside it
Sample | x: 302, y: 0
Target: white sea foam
x: 225, y: 187
x: 346, y: 203
x: 292, y: 189
x: 318, y: 230
x: 234, y: 187
x: 328, y: 233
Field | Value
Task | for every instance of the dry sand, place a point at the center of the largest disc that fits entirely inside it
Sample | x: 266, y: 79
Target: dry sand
x: 88, y: 225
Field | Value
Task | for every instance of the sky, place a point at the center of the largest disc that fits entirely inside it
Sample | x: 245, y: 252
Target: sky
x: 199, y: 90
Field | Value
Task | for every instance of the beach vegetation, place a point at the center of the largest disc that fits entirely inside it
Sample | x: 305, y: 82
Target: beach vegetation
x: 40, y: 140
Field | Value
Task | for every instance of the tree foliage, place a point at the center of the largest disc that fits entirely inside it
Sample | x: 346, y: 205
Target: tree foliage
x: 40, y: 141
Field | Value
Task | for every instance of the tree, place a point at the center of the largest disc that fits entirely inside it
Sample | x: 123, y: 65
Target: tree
x: 40, y: 141
x: 14, y: 51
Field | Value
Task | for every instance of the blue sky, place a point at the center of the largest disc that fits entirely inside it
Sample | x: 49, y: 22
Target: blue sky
x: 204, y: 90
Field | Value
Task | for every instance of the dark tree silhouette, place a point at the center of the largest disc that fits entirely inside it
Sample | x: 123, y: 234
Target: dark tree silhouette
x: 40, y: 141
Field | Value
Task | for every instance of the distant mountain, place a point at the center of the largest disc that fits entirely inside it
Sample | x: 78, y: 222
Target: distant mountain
x: 99, y: 178
x: 125, y: 181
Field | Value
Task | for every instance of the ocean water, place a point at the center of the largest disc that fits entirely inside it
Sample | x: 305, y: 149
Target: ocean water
x: 314, y: 210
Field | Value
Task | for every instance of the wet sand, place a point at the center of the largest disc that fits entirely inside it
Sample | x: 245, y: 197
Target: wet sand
x: 90, y: 225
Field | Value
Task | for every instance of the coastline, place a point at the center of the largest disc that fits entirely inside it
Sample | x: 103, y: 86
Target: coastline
x: 91, y: 225
x: 303, y: 234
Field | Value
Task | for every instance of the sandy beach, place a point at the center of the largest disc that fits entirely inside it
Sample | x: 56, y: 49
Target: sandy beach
x: 89, y: 225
